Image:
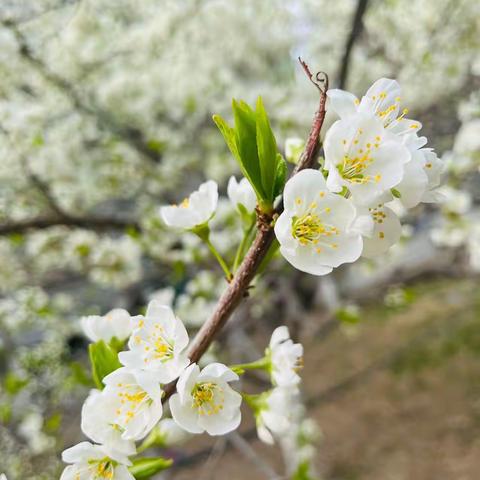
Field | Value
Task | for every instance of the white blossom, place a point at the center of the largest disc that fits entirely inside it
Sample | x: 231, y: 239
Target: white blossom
x: 116, y: 323
x: 241, y: 193
x: 205, y: 401
x: 99, y: 417
x: 314, y: 230
x: 94, y: 462
x: 157, y: 344
x: 382, y: 100
x: 136, y: 399
x: 194, y: 211
x: 285, y: 357
x: 364, y: 157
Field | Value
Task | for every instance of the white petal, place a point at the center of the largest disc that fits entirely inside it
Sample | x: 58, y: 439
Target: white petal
x: 79, y: 453
x: 219, y: 425
x: 264, y: 435
x: 384, y: 236
x: 218, y: 370
x: 304, y: 186
x: 122, y: 473
x: 413, y: 185
x: 185, y: 416
x: 343, y: 103
x: 187, y: 380
x: 279, y: 335
x: 304, y: 260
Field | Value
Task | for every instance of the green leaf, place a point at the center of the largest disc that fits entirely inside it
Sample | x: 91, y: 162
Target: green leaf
x: 144, y: 468
x: 228, y: 135
x: 104, y: 360
x: 246, y: 141
x: 280, y: 176
x: 267, y: 150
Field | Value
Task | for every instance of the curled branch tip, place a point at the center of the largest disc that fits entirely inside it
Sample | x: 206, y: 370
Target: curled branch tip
x: 320, y: 79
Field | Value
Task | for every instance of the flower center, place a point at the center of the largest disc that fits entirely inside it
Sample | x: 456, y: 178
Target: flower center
x: 163, y: 349
x: 131, y: 401
x: 185, y: 203
x: 352, y: 169
x: 309, y: 229
x: 103, y: 469
x: 208, y: 398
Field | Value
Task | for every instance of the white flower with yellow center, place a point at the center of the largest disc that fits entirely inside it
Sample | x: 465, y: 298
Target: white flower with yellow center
x: 95, y: 462
x: 314, y: 230
x: 157, y: 344
x: 286, y: 358
x: 116, y: 323
x: 387, y: 230
x: 242, y: 193
x: 382, y: 100
x: 364, y: 157
x: 137, y: 400
x: 194, y: 211
x: 102, y: 423
x: 205, y: 401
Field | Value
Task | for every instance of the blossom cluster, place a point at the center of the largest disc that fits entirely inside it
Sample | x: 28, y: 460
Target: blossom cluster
x: 129, y: 405
x: 374, y: 159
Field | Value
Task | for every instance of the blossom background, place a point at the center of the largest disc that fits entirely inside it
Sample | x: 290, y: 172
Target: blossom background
x: 105, y: 114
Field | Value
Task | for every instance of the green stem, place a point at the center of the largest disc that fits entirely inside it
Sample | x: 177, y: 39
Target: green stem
x: 219, y: 258
x: 203, y: 232
x: 243, y: 246
x: 261, y: 364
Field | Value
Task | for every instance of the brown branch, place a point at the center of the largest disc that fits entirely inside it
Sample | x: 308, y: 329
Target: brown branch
x: 92, y: 223
x: 355, y: 32
x: 238, y: 287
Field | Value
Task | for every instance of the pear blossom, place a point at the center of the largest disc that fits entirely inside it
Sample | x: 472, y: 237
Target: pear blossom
x: 364, y: 157
x: 205, y: 401
x: 314, y: 229
x: 157, y: 344
x: 99, y: 422
x: 285, y: 357
x: 241, y: 193
x: 387, y: 230
x: 274, y: 415
x: 94, y: 462
x: 194, y: 211
x: 382, y: 100
x: 136, y: 398
x: 116, y: 323
x: 3, y: 477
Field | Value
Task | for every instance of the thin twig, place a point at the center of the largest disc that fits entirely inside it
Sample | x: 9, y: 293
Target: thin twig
x: 236, y: 290
x: 355, y: 32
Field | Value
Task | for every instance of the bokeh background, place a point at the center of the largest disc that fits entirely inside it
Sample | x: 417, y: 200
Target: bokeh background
x: 105, y: 114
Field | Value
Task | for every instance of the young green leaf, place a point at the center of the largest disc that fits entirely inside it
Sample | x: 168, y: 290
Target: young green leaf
x: 104, y: 360
x: 280, y: 176
x: 245, y: 133
x: 144, y: 468
x: 267, y: 150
